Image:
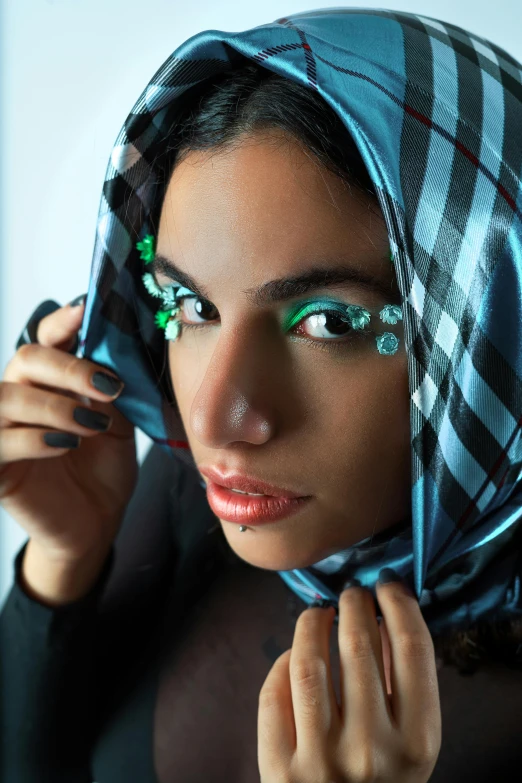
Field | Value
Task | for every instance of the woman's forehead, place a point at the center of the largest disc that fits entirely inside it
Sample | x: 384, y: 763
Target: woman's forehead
x: 285, y: 226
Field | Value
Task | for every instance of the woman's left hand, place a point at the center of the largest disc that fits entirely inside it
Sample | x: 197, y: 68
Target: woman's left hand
x: 388, y: 726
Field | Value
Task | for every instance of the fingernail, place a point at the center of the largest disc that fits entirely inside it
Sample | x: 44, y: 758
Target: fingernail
x: 78, y: 301
x: 61, y: 440
x: 324, y: 603
x: 351, y: 583
x: 94, y: 420
x: 387, y: 575
x: 107, y: 384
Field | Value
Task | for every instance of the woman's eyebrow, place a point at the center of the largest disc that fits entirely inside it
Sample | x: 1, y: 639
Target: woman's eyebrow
x: 284, y: 288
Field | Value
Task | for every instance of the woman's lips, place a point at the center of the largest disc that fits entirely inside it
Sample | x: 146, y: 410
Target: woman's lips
x: 250, y: 510
x: 246, y: 483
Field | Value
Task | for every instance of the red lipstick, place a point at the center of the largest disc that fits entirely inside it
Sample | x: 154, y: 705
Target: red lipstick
x: 275, y: 502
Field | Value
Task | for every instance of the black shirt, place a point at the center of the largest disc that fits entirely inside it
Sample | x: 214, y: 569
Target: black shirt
x: 66, y: 671
x: 84, y: 696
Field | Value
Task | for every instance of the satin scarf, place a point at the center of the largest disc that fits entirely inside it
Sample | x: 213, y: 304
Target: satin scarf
x: 436, y: 113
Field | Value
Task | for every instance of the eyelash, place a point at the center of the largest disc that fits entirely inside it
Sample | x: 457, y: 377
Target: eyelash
x: 340, y: 344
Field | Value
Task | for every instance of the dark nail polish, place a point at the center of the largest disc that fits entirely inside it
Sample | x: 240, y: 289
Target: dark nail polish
x: 107, y: 384
x: 62, y: 440
x: 351, y: 583
x: 323, y: 603
x: 92, y: 419
x: 78, y: 301
x: 387, y: 575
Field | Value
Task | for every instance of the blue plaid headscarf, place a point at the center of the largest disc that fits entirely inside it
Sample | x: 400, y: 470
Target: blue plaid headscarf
x: 436, y: 113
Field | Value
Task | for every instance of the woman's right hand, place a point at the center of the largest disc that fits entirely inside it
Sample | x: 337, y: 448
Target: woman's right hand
x: 71, y: 501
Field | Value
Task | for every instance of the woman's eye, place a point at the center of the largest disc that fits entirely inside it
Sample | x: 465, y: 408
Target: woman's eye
x: 324, y: 324
x: 193, y: 307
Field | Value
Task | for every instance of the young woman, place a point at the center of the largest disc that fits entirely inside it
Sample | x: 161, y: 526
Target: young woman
x: 305, y: 274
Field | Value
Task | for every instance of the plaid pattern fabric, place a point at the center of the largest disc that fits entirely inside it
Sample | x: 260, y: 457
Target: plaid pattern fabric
x: 436, y: 113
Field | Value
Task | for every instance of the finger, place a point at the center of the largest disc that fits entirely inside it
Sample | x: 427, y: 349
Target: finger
x: 415, y: 692
x: 34, y: 364
x: 275, y: 721
x: 59, y: 329
x: 28, y: 443
x: 364, y: 703
x: 316, y: 712
x: 21, y: 404
x: 386, y: 654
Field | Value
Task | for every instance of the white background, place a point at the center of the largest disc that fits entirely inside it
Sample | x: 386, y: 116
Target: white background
x: 71, y: 71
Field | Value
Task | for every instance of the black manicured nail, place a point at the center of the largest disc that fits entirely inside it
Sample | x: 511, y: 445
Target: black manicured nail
x: 107, y: 384
x: 323, y: 603
x: 62, y: 440
x: 351, y: 583
x: 78, y: 301
x: 387, y: 575
x: 92, y: 419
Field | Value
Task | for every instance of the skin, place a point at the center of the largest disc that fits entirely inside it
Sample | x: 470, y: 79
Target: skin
x: 256, y: 397
x: 329, y: 423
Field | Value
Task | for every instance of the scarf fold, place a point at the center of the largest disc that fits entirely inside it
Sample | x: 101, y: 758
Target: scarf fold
x: 435, y: 112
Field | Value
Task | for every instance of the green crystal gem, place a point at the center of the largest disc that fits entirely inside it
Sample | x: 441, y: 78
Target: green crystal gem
x: 162, y: 318
x: 390, y: 314
x: 169, y: 298
x: 358, y: 316
x: 387, y: 343
x: 173, y: 329
x: 151, y: 286
x: 147, y: 248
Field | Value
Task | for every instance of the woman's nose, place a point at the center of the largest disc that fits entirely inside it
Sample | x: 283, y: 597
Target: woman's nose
x: 233, y: 402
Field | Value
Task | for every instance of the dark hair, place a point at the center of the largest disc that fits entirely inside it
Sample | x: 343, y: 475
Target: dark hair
x: 217, y: 115
x: 491, y: 643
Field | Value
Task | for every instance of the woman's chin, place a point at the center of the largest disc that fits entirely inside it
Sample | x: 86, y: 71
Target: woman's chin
x: 268, y: 554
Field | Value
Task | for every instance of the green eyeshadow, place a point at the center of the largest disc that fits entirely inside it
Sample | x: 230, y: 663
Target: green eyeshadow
x: 303, y: 309
x: 357, y: 317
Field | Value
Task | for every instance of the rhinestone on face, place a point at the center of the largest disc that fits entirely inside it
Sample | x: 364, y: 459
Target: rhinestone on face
x: 387, y: 344
x: 390, y: 314
x: 166, y: 319
x: 359, y: 316
x: 172, y: 329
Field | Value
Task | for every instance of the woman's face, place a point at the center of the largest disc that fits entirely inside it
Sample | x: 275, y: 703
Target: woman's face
x: 306, y: 408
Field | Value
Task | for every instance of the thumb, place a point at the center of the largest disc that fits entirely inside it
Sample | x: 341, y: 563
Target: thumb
x: 59, y: 328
